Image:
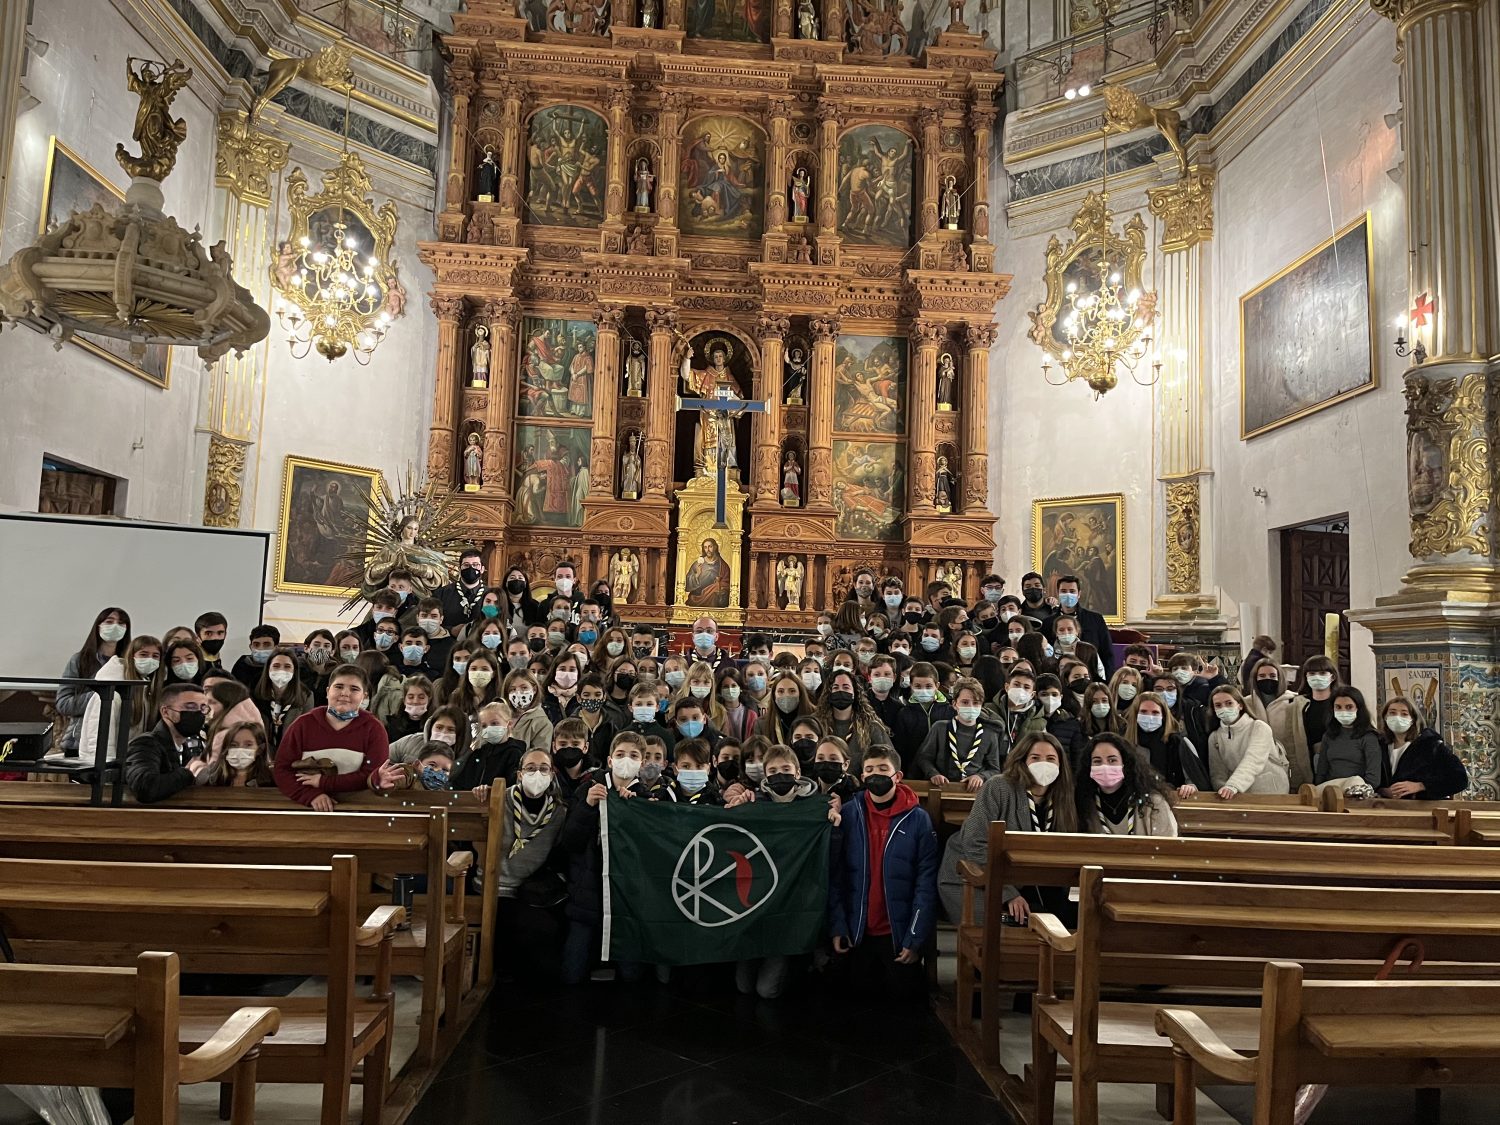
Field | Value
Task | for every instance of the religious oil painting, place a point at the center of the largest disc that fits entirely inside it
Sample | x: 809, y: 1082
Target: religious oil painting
x: 1306, y: 334
x: 869, y: 482
x: 723, y: 178
x: 745, y: 21
x: 72, y: 185
x: 557, y: 368
x: 325, y: 513
x: 875, y: 186
x: 706, y: 583
x: 565, y: 149
x: 552, y: 475
x: 870, y: 385
x: 1083, y: 536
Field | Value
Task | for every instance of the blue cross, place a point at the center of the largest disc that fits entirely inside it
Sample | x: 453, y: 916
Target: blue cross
x: 734, y: 407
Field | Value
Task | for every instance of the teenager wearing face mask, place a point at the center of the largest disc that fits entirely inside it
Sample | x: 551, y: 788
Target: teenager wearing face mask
x: 1299, y: 720
x: 790, y: 701
x: 591, y: 707
x: 108, y: 639
x: 1243, y: 756
x: 688, y: 718
x: 1023, y: 714
x: 740, y: 716
x: 1090, y: 625
x: 886, y: 697
x: 459, y: 601
x: 640, y: 716
x: 384, y: 605
x: 447, y: 725
x: 1418, y: 763
x: 953, y: 622
x: 810, y: 672
x: 757, y: 684
x: 619, y: 677
x: 1124, y: 686
x: 141, y: 666
x: 245, y: 760
x: 967, y: 749
x: 572, y: 757
x: 1150, y: 728
x: 560, y: 689
x: 521, y: 691
x: 1350, y: 756
x: 830, y: 769
x: 1122, y: 795
x: 281, y: 695
x: 456, y: 673
x: 1098, y: 713
x: 1195, y: 679
x: 211, y: 630
x: 1262, y: 648
x: 1193, y: 722
x: 674, y: 672
x: 183, y: 662
x: 1268, y: 684
x: 264, y: 640
x: 844, y: 710
x: 892, y: 599
x: 1034, y: 793
x: 620, y: 778
x: 611, y: 646
x: 656, y: 772
x: 926, y: 706
x: 1036, y: 604
x: 529, y: 918
x: 319, y: 652
x: 171, y: 756
x: 699, y: 685
x: 966, y: 651
x: 1061, y: 710
x: 493, y: 755
x: 693, y: 781
x: 913, y: 616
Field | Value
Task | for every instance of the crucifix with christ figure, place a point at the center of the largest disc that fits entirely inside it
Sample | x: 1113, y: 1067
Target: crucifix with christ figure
x: 715, y: 397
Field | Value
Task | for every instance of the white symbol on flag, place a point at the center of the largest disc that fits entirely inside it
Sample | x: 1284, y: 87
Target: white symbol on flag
x: 714, y: 876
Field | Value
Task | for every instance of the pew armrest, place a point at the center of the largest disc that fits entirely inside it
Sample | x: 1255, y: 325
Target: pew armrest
x: 381, y: 923
x: 1053, y: 933
x: 459, y: 862
x: 241, y: 1033
x: 1202, y: 1044
x: 971, y: 873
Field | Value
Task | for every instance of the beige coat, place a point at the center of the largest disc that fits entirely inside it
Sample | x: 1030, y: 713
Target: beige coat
x: 1285, y: 717
x: 1244, y: 757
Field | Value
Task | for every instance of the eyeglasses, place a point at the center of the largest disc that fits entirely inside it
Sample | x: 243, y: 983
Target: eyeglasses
x: 537, y: 769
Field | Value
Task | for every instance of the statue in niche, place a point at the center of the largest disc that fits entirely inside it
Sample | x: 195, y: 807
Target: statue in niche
x: 624, y: 575
x: 644, y: 182
x: 487, y: 179
x: 947, y: 381
x: 801, y: 191
x: 802, y: 251
x: 950, y: 574
x: 630, y: 469
x: 789, y: 576
x: 948, y: 203
x: 649, y: 13
x: 791, y: 481
x: 635, y: 371
x: 794, y: 378
x: 479, y: 357
x: 807, y: 20
x: 943, y: 486
x: 473, y: 462
x: 638, y: 241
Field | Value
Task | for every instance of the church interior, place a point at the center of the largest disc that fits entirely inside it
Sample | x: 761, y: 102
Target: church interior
x: 748, y: 313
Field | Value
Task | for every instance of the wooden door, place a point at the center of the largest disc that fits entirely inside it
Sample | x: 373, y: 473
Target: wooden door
x: 1314, y: 582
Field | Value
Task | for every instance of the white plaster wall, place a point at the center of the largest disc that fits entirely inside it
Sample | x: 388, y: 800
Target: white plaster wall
x: 1307, y: 173
x: 70, y: 403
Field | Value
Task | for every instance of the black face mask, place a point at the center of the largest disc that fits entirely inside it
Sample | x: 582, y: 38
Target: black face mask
x: 988, y: 624
x: 879, y: 784
x: 567, y: 758
x: 536, y: 644
x: 805, y: 748
x: 469, y: 574
x: 840, y: 699
x: 728, y: 769
x: 1033, y: 595
x: 515, y: 586
x: 1267, y: 689
x: 624, y: 681
x: 912, y: 618
x: 212, y: 647
x: 1078, y: 683
x: 828, y: 772
x: 189, y: 724
x: 781, y: 784
x: 640, y: 652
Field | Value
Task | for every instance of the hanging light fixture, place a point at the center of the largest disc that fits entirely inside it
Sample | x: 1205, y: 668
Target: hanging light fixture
x: 131, y: 272
x: 338, y: 291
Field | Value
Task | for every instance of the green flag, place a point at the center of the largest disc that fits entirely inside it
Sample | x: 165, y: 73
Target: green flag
x: 690, y: 884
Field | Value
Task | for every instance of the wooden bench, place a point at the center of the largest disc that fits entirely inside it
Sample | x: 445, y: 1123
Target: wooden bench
x: 69, y: 1026
x: 994, y: 957
x: 228, y: 919
x: 951, y: 804
x: 1416, y: 1034
x: 414, y: 842
x: 1151, y: 931
x: 1412, y: 825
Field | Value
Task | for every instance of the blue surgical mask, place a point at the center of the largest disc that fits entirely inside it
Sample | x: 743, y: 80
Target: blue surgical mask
x: 690, y: 728
x: 343, y: 716
x: 967, y: 714
x: 413, y: 654
x: 460, y: 666
x: 923, y: 694
x: 491, y: 611
x: 930, y: 644
x: 692, y: 781
x: 588, y: 636
x: 644, y: 713
x: 893, y: 601
x: 384, y: 641
x: 756, y: 684
x: 993, y: 594
x: 261, y: 655
x: 490, y: 641
x: 704, y: 641
x: 434, y: 778
x: 674, y: 678
x: 1068, y: 600
x: 403, y: 594
x: 1170, y: 698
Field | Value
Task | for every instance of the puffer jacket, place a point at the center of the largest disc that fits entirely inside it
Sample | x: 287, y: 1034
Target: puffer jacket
x: 910, y: 871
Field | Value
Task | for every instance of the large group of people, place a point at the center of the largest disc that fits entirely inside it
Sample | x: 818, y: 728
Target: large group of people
x: 1022, y: 699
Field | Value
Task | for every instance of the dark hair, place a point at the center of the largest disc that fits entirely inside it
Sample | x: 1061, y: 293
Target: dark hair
x: 433, y: 748
x: 1029, y: 575
x: 429, y: 603
x: 1141, y: 780
x: 88, y: 656
x: 1318, y: 662
x: 991, y: 676
x: 1073, y: 578
x: 1362, y: 723
x: 471, y: 552
x: 210, y: 619
x: 198, y: 654
x: 992, y: 580
x: 338, y: 639
x: 355, y: 671
x: 564, y: 564
x: 221, y: 773
x: 695, y: 748
x: 882, y: 753
x: 261, y: 632
x: 326, y: 634
x: 174, y: 691
x: 400, y: 573
x: 385, y: 597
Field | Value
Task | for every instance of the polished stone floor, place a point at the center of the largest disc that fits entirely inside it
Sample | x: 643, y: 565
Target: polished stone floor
x: 703, y: 1055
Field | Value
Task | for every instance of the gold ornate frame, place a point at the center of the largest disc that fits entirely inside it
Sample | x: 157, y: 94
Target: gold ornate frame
x: 348, y: 187
x: 1040, y: 506
x: 93, y: 347
x: 1092, y: 234
x: 283, y: 522
x: 1343, y: 396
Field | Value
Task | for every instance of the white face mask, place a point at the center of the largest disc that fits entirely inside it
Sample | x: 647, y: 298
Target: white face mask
x: 1227, y: 715
x: 1018, y: 696
x: 280, y: 679
x: 1043, y: 773
x: 239, y: 757
x: 1099, y: 710
x: 1127, y: 691
x: 812, y: 680
x: 494, y: 733
x: 625, y: 769
x: 1183, y: 676
x: 565, y: 678
x: 480, y: 677
x: 1398, y: 724
x: 1051, y: 703
x: 535, y: 784
x: 565, y: 587
x: 1319, y: 681
x: 111, y: 631
x: 448, y: 738
x: 700, y: 691
x: 521, y: 699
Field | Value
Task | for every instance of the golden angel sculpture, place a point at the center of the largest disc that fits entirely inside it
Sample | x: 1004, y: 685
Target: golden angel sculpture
x: 420, y: 531
x: 156, y: 130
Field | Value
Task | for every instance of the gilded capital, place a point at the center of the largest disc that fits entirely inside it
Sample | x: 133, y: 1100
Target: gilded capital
x: 825, y: 330
x: 1186, y: 209
x: 1405, y: 12
x: 929, y: 332
x: 448, y: 309
x: 772, y: 327
x: 245, y: 160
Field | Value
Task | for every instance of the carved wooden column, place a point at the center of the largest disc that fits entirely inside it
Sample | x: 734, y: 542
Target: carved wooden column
x: 765, y: 483
x: 669, y: 133
x: 464, y: 85
x: 921, y: 419
x: 660, y: 393
x: 982, y: 250
x: 820, y: 414
x: 502, y: 313
x: 974, y: 421
x: 441, y: 435
x: 510, y: 155
x: 606, y: 403
x: 830, y: 123
x: 776, y: 177
x: 833, y: 20
x: 781, y: 20
x: 930, y: 123
x: 619, y: 148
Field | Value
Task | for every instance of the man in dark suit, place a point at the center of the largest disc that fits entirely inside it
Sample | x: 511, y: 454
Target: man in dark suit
x: 463, y: 596
x: 1091, y: 626
x: 168, y: 758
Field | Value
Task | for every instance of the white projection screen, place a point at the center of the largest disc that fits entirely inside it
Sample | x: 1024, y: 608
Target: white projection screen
x: 60, y: 571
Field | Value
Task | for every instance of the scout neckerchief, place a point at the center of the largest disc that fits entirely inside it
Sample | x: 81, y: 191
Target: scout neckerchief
x: 1041, y: 813
x: 532, y: 824
x: 1122, y: 827
x: 974, y: 747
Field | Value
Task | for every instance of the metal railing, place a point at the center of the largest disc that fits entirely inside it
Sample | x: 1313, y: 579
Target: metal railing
x: 111, y: 739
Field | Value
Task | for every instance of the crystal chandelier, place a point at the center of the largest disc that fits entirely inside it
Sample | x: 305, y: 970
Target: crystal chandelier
x: 131, y: 272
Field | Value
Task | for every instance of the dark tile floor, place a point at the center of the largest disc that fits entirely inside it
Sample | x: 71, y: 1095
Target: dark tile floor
x: 666, y: 1055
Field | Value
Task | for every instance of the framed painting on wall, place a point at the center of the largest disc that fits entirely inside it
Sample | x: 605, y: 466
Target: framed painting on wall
x: 557, y: 368
x: 869, y: 486
x: 869, y: 385
x: 1083, y: 536
x: 325, y: 512
x: 71, y: 184
x: 552, y: 475
x: 1307, y: 335
x: 566, y: 147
